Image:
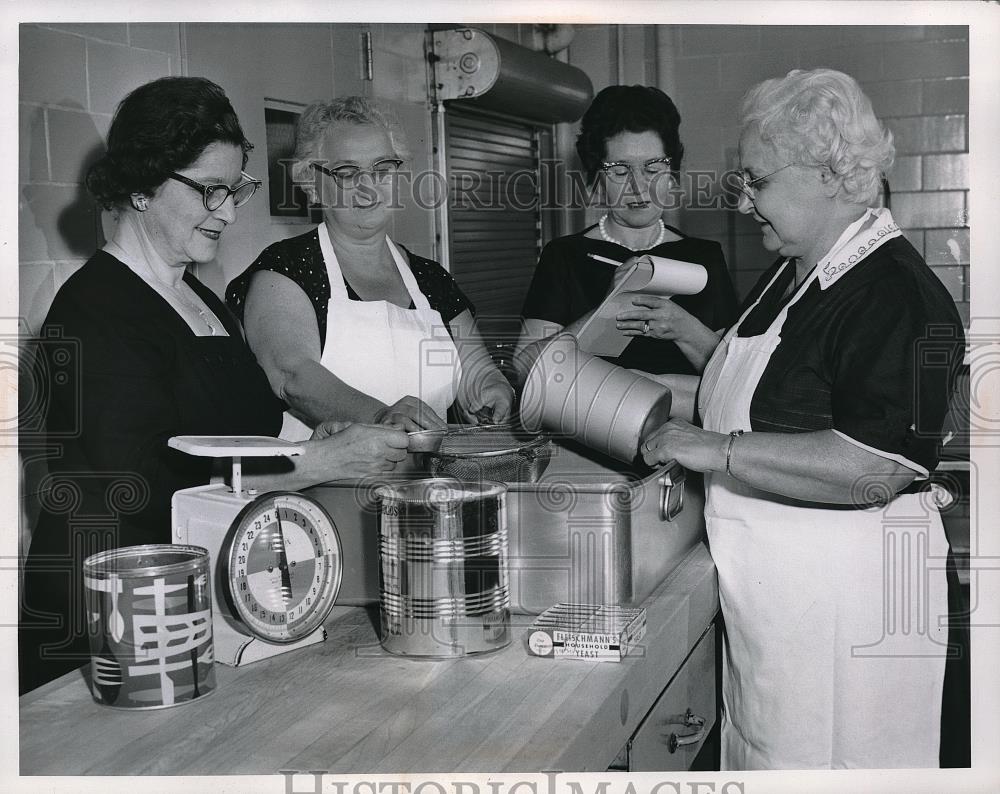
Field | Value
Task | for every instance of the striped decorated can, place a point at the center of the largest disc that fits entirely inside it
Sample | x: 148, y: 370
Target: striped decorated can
x: 149, y: 619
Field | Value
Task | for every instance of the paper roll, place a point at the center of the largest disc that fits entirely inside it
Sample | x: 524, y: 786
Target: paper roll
x: 674, y: 277
x: 648, y: 275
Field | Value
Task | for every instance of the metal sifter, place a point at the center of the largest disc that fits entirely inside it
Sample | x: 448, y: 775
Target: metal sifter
x: 502, y: 453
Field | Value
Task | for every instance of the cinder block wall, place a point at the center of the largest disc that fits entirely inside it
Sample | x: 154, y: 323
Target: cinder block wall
x: 917, y: 79
x: 71, y: 79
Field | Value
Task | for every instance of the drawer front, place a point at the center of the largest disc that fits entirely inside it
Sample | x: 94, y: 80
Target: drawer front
x: 667, y: 740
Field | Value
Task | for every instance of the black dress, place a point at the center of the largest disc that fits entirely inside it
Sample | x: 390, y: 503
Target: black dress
x: 567, y: 284
x: 124, y: 373
x: 874, y: 357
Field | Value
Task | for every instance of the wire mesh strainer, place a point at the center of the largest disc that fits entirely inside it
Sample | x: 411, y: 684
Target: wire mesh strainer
x: 492, y: 452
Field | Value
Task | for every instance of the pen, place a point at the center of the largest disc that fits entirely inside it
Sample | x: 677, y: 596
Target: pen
x: 599, y: 258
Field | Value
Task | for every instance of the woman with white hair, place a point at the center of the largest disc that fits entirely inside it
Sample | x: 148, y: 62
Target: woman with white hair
x: 347, y: 324
x: 821, y: 413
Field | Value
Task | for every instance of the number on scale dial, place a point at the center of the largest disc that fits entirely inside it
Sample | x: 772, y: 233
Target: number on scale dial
x: 284, y: 566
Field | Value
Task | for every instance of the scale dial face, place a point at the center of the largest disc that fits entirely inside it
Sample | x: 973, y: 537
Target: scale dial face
x: 284, y: 566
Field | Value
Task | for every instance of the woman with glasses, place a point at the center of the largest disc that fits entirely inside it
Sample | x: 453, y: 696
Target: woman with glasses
x: 135, y: 350
x: 630, y: 147
x: 347, y: 323
x: 822, y: 411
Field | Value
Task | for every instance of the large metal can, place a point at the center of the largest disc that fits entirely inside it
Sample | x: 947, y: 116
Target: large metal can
x: 443, y: 579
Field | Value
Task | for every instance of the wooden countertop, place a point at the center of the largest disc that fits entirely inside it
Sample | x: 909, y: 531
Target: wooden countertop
x: 346, y: 706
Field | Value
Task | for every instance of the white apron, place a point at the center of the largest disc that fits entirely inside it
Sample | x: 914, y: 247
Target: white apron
x: 384, y: 350
x: 835, y: 618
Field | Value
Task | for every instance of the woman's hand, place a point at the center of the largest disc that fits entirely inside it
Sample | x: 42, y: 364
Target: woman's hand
x: 622, y: 272
x: 490, y: 400
x: 690, y: 446
x: 484, y: 395
x: 327, y: 429
x: 356, y: 450
x: 661, y: 318
x: 409, y: 413
x: 657, y: 318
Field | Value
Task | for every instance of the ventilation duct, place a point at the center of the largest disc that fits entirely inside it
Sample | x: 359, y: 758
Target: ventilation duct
x: 495, y: 74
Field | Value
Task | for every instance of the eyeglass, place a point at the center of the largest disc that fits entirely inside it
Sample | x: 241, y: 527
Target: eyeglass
x: 746, y: 186
x: 215, y: 196
x: 619, y: 172
x: 350, y: 175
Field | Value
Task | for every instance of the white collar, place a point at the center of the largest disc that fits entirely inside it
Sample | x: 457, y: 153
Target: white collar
x: 859, y: 239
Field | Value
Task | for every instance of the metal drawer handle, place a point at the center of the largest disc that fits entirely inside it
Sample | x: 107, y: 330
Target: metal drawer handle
x: 688, y: 720
x: 671, y: 490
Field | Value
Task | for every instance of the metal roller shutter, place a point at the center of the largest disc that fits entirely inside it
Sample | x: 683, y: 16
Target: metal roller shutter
x: 494, y: 219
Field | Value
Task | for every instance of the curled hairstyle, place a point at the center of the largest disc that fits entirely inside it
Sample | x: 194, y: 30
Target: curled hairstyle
x: 160, y: 127
x: 822, y: 117
x: 628, y: 108
x: 320, y: 116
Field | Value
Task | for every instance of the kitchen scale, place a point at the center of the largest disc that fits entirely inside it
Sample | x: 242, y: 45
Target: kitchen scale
x: 276, y: 557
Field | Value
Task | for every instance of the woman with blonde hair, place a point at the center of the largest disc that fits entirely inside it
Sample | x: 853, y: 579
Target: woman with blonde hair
x: 348, y: 324
x: 822, y: 411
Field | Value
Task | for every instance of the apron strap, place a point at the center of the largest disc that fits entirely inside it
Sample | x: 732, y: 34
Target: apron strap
x: 735, y: 326
x: 338, y: 286
x: 419, y: 299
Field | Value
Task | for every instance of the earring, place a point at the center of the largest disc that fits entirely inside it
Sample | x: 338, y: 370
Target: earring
x: 140, y: 202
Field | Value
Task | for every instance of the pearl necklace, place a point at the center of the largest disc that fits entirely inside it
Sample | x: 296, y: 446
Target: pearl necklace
x: 601, y: 225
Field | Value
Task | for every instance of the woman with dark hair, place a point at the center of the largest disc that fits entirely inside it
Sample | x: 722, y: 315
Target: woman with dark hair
x: 152, y: 353
x: 630, y: 147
